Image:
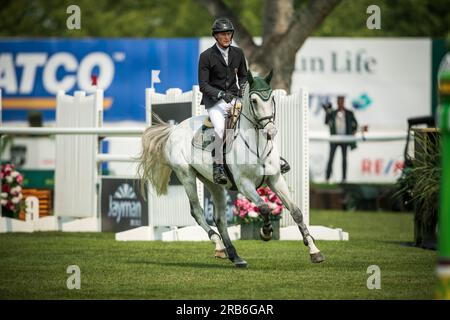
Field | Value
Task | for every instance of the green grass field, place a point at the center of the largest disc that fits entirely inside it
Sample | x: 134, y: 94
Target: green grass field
x: 33, y: 266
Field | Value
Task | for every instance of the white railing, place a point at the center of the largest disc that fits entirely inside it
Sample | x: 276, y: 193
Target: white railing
x: 137, y: 131
x: 63, y: 131
x: 368, y: 137
x: 173, y: 208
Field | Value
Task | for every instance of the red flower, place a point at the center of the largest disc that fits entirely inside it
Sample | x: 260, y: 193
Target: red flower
x: 10, y: 205
x: 6, y: 188
x: 8, y: 168
x: 277, y: 210
x: 244, y: 206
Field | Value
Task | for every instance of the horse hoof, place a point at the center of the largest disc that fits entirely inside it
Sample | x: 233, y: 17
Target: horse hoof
x: 264, y: 236
x: 221, y: 254
x: 317, y: 257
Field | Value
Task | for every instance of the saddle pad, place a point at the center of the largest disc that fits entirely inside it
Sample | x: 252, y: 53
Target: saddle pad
x: 231, y: 119
x: 204, y: 139
x: 207, y: 123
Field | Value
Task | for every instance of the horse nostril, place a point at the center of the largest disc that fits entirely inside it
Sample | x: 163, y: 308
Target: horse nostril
x: 269, y: 133
x: 272, y: 133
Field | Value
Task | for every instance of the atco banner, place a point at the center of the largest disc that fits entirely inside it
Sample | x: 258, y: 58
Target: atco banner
x: 32, y: 71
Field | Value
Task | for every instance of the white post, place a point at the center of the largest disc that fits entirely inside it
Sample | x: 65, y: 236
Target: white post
x: 197, y: 110
x: 148, y: 105
x: 305, y: 152
x: 292, y: 121
x: 148, y: 118
x: 98, y: 118
x: 76, y: 155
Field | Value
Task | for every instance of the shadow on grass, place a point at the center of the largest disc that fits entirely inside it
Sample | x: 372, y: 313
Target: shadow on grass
x: 224, y: 264
x: 431, y: 247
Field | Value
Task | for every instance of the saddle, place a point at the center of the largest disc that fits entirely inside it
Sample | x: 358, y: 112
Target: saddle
x: 204, y: 137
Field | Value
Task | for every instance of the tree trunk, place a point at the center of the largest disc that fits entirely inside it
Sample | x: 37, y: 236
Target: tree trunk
x: 277, y: 17
x: 282, y: 64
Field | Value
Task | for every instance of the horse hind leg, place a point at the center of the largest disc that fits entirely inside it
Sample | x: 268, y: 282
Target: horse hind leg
x: 220, y: 251
x: 187, y: 177
x: 220, y: 202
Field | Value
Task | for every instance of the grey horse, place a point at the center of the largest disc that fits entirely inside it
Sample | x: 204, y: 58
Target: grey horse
x: 252, y: 159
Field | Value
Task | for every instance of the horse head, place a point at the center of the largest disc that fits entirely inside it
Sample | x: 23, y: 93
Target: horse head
x: 259, y: 104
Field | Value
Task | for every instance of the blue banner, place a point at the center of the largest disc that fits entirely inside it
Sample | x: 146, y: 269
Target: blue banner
x: 32, y: 71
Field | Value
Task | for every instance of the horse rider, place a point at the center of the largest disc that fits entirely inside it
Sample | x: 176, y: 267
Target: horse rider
x: 222, y: 73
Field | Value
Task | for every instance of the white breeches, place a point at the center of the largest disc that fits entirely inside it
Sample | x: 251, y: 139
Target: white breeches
x: 217, y: 115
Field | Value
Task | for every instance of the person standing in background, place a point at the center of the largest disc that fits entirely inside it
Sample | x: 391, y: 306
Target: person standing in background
x: 341, y: 122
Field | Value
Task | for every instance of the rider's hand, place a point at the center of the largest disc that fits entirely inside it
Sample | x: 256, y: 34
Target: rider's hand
x: 226, y: 96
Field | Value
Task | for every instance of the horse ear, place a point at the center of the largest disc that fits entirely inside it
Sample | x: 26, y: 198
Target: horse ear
x: 268, y: 77
x: 249, y: 77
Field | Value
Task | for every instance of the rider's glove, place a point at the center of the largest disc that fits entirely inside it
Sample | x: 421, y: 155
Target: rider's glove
x: 226, y: 96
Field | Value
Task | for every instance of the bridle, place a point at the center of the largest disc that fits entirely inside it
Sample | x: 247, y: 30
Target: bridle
x: 265, y: 95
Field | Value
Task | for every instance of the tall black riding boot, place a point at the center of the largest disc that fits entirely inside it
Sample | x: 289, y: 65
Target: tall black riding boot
x: 219, y: 175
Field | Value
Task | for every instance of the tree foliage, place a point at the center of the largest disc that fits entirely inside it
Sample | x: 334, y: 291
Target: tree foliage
x: 399, y: 18
x: 283, y: 24
x: 104, y: 18
x: 187, y: 18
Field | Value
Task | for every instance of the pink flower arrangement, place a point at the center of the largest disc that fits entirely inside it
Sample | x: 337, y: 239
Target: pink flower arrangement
x: 245, y: 211
x: 11, y: 194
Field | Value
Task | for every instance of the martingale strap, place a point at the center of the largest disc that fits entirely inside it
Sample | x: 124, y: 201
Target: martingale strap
x: 264, y: 91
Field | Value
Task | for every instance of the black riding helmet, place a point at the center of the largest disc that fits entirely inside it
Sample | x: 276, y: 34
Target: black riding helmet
x: 222, y: 25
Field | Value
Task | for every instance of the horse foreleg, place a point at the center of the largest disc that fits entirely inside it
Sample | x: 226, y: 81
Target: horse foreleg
x: 247, y: 188
x: 278, y: 185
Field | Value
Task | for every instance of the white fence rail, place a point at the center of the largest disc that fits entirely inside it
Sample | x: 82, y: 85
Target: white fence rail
x: 80, y: 127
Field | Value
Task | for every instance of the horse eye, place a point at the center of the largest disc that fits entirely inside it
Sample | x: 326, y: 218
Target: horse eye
x: 253, y: 100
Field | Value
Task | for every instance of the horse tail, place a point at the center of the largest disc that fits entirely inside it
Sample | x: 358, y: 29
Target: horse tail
x: 153, y: 166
